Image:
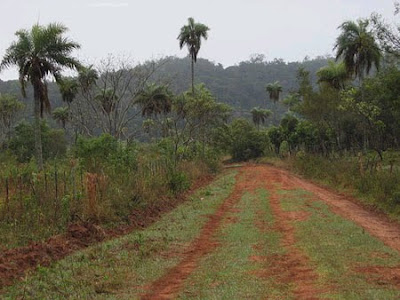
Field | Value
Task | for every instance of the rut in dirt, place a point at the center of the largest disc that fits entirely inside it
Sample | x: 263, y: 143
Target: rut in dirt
x: 169, y: 285
x: 294, y: 265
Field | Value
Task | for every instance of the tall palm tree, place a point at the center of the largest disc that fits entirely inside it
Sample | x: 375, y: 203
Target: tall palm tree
x: 260, y: 116
x: 334, y: 75
x: 155, y: 100
x: 61, y: 115
x: 38, y: 53
x: 191, y: 35
x: 274, y: 90
x: 357, y: 47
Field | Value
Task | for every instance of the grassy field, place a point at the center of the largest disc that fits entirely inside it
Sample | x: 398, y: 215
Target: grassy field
x: 340, y: 249
x: 275, y: 241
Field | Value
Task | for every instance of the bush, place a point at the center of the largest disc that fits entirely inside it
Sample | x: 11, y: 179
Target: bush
x: 22, y: 144
x: 178, y: 182
x: 243, y: 141
x: 104, y: 152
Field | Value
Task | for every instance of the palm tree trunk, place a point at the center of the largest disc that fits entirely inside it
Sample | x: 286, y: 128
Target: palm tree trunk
x: 37, y: 128
x: 192, y: 76
x: 362, y: 99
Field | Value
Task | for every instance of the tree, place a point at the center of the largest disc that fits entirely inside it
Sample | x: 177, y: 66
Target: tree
x: 191, y: 35
x: 61, y: 115
x: 274, y: 90
x: 388, y: 36
x: 334, y: 75
x: 357, y: 47
x: 38, y: 53
x: 9, y: 108
x: 107, y: 96
x: 292, y: 101
x: 260, y: 116
x: 193, y: 118
x: 68, y: 89
x: 87, y: 78
x: 155, y: 100
x: 242, y: 141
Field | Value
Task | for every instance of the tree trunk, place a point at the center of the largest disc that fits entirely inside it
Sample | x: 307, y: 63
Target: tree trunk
x: 362, y: 99
x: 192, y: 76
x: 37, y: 128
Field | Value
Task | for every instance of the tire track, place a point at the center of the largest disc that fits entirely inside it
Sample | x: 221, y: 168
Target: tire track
x: 169, y: 285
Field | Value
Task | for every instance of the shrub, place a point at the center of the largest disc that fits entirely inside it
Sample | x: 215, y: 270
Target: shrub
x: 105, y: 152
x: 23, y: 143
x: 242, y: 140
x: 178, y: 182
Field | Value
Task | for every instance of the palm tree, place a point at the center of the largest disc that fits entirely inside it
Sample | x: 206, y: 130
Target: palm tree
x: 260, y: 116
x: 291, y: 101
x: 69, y: 89
x: 334, y: 75
x: 191, y: 35
x: 357, y: 47
x: 87, y: 77
x: 274, y: 90
x: 155, y: 100
x: 62, y: 115
x: 107, y: 100
x: 38, y: 53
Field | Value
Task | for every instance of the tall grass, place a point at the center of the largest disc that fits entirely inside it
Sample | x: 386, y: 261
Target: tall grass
x: 89, y: 186
x: 374, y: 181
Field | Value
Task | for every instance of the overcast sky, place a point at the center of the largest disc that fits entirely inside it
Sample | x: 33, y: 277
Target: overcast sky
x: 288, y: 29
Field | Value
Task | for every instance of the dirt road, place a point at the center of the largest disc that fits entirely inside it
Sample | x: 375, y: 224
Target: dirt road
x: 295, y: 267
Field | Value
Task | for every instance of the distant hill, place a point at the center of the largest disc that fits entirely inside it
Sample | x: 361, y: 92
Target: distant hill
x: 241, y: 86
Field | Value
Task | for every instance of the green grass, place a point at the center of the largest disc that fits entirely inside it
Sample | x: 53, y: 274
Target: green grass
x: 338, y: 247
x: 230, y: 272
x: 378, y: 189
x: 118, y: 269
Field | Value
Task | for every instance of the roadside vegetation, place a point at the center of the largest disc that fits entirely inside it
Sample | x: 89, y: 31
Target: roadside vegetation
x: 125, y: 139
x: 141, y: 257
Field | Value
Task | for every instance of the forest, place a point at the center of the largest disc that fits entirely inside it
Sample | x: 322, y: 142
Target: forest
x: 114, y: 146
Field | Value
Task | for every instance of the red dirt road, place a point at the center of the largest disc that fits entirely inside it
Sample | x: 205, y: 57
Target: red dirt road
x: 293, y: 267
